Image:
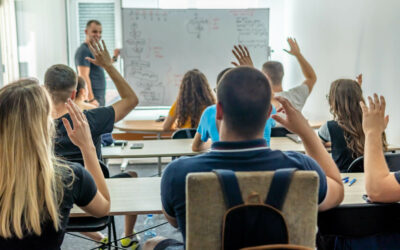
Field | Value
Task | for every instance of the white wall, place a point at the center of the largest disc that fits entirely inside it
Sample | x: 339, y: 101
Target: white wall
x: 341, y: 39
x: 42, y: 34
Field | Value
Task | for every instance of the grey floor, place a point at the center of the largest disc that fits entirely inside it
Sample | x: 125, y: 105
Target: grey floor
x: 144, y: 170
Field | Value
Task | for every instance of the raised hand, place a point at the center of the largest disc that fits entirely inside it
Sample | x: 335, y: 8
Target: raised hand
x: 294, y: 120
x: 294, y: 47
x: 101, y: 56
x: 80, y: 134
x: 374, y: 119
x: 359, y: 79
x: 95, y: 103
x: 242, y: 55
x: 117, y: 52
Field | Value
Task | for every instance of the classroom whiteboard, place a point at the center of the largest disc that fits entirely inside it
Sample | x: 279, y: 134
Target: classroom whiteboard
x: 160, y: 45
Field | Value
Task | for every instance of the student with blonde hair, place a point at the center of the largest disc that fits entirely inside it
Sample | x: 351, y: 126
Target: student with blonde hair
x: 37, y: 190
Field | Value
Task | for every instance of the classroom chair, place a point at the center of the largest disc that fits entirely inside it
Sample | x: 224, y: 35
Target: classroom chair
x: 92, y: 224
x: 392, y: 159
x: 184, y: 133
x: 279, y: 132
x: 205, y: 206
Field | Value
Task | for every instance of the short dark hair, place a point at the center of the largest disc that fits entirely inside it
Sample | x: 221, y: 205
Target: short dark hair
x: 92, y: 21
x: 221, y: 74
x: 60, y: 80
x: 245, y: 96
x: 81, y: 85
x: 274, y: 70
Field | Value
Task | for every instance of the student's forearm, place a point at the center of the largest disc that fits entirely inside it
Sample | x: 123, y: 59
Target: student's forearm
x: 169, y: 123
x: 306, y: 68
x: 316, y: 150
x: 375, y: 165
x: 92, y: 165
x: 123, y: 88
x: 200, y: 146
x: 203, y: 146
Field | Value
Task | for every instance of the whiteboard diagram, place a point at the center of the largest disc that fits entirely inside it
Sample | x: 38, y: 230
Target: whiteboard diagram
x: 160, y: 45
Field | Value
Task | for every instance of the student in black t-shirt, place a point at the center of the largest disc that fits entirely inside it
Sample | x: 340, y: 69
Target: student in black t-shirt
x: 61, y: 81
x: 344, y: 133
x: 37, y: 190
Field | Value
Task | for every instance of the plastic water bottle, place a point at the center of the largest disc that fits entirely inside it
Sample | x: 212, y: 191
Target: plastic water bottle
x: 149, y: 222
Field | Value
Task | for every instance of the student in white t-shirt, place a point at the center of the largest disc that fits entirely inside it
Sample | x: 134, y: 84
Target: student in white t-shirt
x: 274, y: 71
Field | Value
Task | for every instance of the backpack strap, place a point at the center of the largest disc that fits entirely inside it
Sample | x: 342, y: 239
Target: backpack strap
x: 279, y: 187
x: 230, y: 187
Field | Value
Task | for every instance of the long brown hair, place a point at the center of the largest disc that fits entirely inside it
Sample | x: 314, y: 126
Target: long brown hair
x: 31, y: 187
x: 194, y: 95
x: 344, y: 100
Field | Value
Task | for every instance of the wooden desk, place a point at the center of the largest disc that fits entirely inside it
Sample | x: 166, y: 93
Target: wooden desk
x: 357, y: 218
x: 353, y: 194
x: 183, y: 147
x: 179, y: 147
x: 316, y: 124
x: 130, y: 196
x: 153, y: 127
x: 286, y: 144
x: 151, y: 148
x: 143, y: 127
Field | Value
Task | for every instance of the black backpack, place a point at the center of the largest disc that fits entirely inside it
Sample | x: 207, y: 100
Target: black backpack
x: 255, y: 225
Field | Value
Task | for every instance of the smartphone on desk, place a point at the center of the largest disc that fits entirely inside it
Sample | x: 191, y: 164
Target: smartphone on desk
x: 161, y: 118
x: 137, y: 146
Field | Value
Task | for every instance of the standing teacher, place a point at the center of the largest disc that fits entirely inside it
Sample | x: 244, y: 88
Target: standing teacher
x: 93, y: 75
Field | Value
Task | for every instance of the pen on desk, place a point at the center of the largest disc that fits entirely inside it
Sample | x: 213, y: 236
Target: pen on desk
x: 352, y: 182
x: 345, y: 179
x: 123, y: 145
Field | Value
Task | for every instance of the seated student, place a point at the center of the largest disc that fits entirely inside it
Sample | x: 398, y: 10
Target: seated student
x: 194, y: 96
x: 82, y: 95
x: 380, y: 184
x: 299, y: 94
x: 344, y: 133
x: 244, y: 97
x: 60, y: 81
x: 207, y: 128
x: 37, y: 189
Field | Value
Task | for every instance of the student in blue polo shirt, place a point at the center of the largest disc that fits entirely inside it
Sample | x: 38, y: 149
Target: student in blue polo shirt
x: 244, y: 97
x: 207, y: 128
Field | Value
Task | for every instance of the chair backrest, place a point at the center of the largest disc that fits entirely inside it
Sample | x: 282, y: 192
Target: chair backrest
x: 392, y: 160
x: 184, y: 133
x: 205, y: 206
x: 357, y: 166
x: 103, y: 167
x: 279, y: 132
